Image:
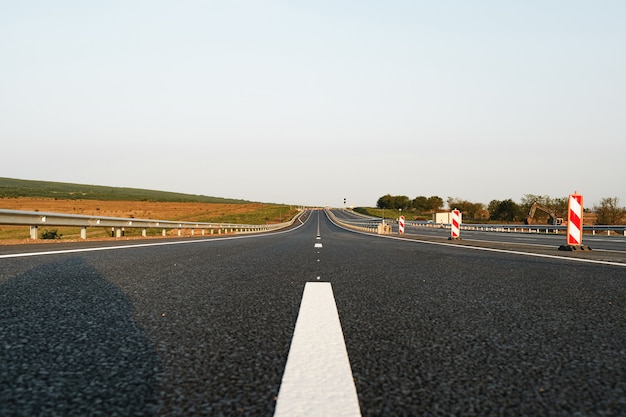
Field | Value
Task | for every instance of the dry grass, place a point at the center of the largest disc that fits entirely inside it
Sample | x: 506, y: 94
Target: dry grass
x: 251, y: 213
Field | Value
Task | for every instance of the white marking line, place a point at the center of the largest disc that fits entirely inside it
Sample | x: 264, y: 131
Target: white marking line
x: 318, y: 379
x: 318, y: 245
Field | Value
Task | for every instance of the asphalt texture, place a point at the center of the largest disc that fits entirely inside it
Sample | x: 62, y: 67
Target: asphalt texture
x: 204, y: 329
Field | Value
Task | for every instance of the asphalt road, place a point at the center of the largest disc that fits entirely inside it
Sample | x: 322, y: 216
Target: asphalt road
x: 204, y: 328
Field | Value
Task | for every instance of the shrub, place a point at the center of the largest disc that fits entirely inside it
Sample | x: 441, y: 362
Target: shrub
x: 51, y: 234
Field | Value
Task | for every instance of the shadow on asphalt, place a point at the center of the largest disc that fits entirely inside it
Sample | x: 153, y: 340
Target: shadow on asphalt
x: 70, y: 347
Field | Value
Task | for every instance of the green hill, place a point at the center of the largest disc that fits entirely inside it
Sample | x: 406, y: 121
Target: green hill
x: 14, y: 188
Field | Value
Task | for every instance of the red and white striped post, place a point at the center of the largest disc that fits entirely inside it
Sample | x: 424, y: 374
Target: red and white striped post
x: 575, y: 220
x: 575, y: 223
x: 455, y: 225
x: 401, y: 225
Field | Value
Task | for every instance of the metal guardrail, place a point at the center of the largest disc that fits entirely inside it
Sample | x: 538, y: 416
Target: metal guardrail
x: 363, y: 225
x: 36, y: 219
x: 371, y: 225
x: 526, y: 228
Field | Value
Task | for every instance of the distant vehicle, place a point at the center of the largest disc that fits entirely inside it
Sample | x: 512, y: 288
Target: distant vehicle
x: 556, y: 221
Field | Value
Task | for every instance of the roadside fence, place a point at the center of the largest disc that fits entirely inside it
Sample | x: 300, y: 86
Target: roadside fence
x: 118, y: 225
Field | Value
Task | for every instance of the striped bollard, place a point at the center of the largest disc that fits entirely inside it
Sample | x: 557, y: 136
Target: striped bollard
x: 575, y: 224
x: 455, y: 225
x: 401, y: 225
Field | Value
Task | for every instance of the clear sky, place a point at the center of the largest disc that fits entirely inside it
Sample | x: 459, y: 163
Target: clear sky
x: 312, y: 102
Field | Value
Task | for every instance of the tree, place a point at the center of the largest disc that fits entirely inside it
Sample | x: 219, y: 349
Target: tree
x: 609, y: 212
x: 384, y: 202
x: 471, y: 210
x: 402, y: 202
x: 394, y: 202
x: 507, y: 210
x: 420, y: 203
x: 435, y: 203
x: 427, y: 204
x: 492, y: 208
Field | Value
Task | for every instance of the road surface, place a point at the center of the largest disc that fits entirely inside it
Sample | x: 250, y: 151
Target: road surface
x: 205, y: 326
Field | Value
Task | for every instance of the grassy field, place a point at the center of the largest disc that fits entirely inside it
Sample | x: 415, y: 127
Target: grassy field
x: 16, y: 188
x: 128, y: 203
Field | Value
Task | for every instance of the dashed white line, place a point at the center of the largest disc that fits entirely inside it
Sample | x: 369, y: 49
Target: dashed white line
x: 318, y: 379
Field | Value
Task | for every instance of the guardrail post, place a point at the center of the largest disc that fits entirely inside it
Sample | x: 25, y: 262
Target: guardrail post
x: 163, y: 232
x: 143, y: 232
x: 33, y: 232
x: 83, y: 233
